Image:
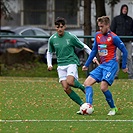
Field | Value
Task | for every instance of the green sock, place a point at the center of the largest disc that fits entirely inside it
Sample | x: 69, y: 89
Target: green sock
x: 75, y: 98
x: 78, y: 85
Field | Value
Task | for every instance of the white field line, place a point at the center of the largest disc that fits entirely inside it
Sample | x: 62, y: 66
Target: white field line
x: 65, y: 121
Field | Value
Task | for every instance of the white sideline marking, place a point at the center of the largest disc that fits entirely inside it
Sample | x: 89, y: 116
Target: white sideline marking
x: 66, y: 121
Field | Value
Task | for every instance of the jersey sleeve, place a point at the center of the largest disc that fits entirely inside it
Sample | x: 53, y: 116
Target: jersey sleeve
x: 87, y: 49
x: 50, y: 45
x: 50, y: 52
x: 121, y: 46
x: 49, y: 59
x: 76, y: 42
x: 82, y: 45
x: 92, y: 54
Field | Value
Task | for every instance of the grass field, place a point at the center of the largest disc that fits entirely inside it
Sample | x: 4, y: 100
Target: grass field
x: 39, y: 105
x: 36, y: 69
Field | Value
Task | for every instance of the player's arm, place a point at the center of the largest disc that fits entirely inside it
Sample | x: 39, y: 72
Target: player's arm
x: 49, y: 61
x: 91, y: 56
x: 121, y: 46
x: 88, y: 50
x: 82, y: 45
x: 49, y: 57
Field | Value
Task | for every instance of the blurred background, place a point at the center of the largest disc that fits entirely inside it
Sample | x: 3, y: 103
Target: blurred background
x: 36, y: 18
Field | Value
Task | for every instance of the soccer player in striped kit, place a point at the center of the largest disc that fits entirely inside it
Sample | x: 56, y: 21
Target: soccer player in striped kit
x: 105, y: 44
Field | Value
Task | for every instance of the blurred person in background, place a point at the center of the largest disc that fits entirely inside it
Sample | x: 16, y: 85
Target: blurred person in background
x: 122, y: 25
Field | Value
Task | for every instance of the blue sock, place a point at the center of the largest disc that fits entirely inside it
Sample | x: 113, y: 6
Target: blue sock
x: 89, y: 94
x: 109, y: 98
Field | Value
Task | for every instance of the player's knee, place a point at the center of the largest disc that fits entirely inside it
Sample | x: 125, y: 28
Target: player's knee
x: 67, y: 90
x: 70, y: 82
x: 86, y: 83
x: 103, y: 88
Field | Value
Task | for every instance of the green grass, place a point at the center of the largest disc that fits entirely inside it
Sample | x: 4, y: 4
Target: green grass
x: 43, y: 100
x: 36, y: 69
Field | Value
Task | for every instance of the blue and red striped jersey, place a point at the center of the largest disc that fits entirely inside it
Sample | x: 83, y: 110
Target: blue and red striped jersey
x: 106, y: 46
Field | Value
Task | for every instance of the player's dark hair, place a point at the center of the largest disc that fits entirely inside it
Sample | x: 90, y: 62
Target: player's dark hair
x: 60, y: 20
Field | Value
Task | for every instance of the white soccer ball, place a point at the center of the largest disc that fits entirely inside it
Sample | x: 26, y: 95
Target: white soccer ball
x: 86, y: 109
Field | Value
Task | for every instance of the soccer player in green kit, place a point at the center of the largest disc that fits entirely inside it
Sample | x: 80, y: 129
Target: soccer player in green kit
x: 63, y: 44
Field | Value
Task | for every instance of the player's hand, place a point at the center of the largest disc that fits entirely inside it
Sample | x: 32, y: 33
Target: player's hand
x: 84, y: 68
x: 50, y: 68
x: 96, y: 61
x: 125, y: 70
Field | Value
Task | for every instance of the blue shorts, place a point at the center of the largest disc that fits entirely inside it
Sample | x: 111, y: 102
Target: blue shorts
x: 105, y: 72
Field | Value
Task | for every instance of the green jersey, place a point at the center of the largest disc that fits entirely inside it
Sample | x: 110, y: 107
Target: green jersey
x: 64, y: 47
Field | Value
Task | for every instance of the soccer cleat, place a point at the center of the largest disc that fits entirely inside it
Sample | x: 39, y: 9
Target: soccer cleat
x: 113, y: 111
x: 79, y: 113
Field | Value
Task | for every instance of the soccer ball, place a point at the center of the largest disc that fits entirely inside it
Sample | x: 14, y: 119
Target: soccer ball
x: 86, y: 109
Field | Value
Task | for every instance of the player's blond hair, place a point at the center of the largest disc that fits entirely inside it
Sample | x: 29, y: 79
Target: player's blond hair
x: 104, y: 19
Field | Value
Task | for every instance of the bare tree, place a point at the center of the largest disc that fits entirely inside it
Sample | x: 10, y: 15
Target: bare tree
x: 87, y: 25
x: 112, y: 4
x: 87, y: 17
x: 100, y: 9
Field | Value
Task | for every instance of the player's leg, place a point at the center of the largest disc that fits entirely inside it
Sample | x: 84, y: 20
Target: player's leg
x: 108, y: 78
x: 109, y: 98
x: 72, y: 71
x: 72, y: 81
x: 62, y: 73
x: 107, y: 93
x: 71, y: 93
x: 95, y: 76
x: 129, y: 60
x: 89, y: 90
